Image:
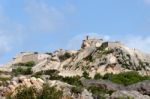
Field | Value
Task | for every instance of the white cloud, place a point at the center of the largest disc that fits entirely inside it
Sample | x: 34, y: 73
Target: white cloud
x: 44, y: 18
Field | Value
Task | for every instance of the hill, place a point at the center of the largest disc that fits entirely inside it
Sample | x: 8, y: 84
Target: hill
x: 99, y: 69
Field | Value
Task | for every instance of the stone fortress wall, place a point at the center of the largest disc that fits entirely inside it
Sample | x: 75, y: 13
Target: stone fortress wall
x: 98, y: 42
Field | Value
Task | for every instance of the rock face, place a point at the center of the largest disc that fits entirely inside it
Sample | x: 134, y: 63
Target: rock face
x: 98, y: 56
x: 128, y: 95
x: 103, y: 84
x: 142, y: 87
x: 21, y: 81
x: 95, y: 56
x: 139, y: 90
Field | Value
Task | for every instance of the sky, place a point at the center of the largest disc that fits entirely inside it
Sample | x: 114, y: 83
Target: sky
x: 47, y: 25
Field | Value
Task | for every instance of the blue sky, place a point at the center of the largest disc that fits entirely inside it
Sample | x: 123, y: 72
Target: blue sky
x: 46, y: 25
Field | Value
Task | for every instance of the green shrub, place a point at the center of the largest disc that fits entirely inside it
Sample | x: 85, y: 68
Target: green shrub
x: 89, y: 58
x: 125, y: 78
x: 76, y: 90
x: 37, y: 74
x: 97, y: 76
x: 103, y: 46
x: 25, y: 93
x: 19, y: 70
x: 86, y: 75
x: 108, y: 76
x: 53, y: 74
x: 98, y: 92
x: 50, y: 93
x: 4, y: 78
x: 65, y: 56
x: 28, y: 64
x: 31, y: 93
x: 75, y: 80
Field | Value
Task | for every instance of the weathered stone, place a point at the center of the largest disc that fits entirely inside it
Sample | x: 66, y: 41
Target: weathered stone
x: 143, y: 87
x: 86, y: 95
x: 40, y: 80
x: 21, y: 78
x: 128, y: 95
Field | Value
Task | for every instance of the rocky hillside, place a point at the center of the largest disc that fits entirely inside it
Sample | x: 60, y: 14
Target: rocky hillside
x: 100, y: 69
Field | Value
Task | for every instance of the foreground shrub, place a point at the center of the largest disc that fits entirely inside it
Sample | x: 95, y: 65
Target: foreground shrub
x: 50, y: 93
x: 31, y: 93
x: 25, y: 93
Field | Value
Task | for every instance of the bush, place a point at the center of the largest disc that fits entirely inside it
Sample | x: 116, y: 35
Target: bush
x: 31, y: 93
x: 103, y: 46
x: 97, y: 76
x: 75, y: 80
x: 89, y: 58
x: 22, y: 71
x: 26, y: 93
x: 98, y: 92
x: 4, y: 78
x: 37, y: 74
x: 65, y: 56
x: 125, y: 78
x: 50, y: 93
x: 76, y: 90
x: 53, y: 74
x: 108, y: 76
x: 28, y: 64
x: 86, y: 75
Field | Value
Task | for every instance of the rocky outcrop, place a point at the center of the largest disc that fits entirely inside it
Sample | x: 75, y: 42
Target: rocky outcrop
x: 141, y: 88
x: 16, y: 82
x: 123, y: 94
x: 103, y: 84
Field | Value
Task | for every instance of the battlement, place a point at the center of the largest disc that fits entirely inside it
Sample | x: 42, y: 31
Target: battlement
x: 89, y: 41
